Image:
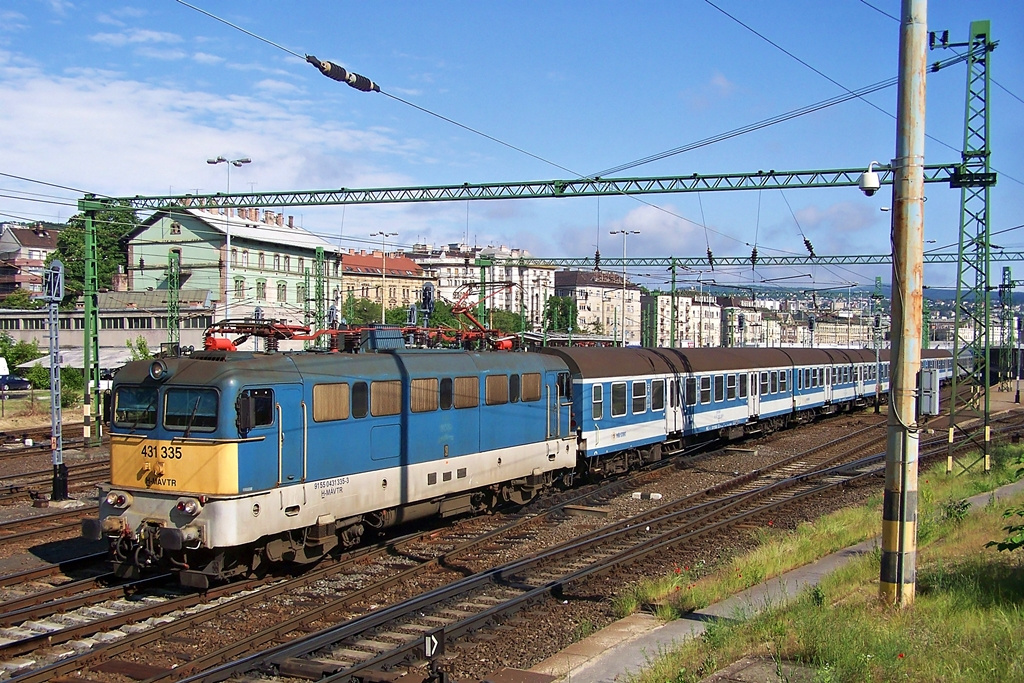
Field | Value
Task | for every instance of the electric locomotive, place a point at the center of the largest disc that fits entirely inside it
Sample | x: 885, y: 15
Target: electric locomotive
x: 224, y: 463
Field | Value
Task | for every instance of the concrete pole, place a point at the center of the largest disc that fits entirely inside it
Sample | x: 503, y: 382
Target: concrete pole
x: 899, y: 507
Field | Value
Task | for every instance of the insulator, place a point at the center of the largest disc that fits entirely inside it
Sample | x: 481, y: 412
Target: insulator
x: 597, y: 259
x: 711, y: 259
x: 753, y: 257
x: 340, y: 74
x: 810, y: 247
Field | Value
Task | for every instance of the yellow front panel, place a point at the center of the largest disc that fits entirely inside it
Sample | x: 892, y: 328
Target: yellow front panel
x: 189, y: 467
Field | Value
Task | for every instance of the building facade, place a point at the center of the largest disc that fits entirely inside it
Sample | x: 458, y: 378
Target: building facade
x: 605, y: 303
x: 23, y: 254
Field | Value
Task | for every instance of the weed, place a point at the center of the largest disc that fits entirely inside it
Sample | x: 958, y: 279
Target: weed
x: 818, y: 595
x: 583, y: 629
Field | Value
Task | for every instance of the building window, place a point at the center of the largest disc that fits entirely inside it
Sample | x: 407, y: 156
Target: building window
x: 282, y: 292
x: 234, y: 258
x: 300, y: 293
x: 277, y: 262
x: 287, y: 263
x: 245, y: 258
x: 112, y: 323
x: 175, y: 228
x: 302, y: 264
x: 239, y: 287
x: 140, y: 323
x: 261, y: 289
x: 262, y: 260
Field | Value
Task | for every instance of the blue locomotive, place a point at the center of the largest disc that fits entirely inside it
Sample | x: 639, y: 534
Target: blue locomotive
x: 225, y: 463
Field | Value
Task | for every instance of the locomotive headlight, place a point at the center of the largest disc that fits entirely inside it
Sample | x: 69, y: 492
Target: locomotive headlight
x: 189, y: 506
x: 118, y: 499
x: 159, y: 371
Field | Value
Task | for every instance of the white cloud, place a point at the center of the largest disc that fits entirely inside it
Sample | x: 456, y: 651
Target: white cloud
x: 166, y: 54
x: 11, y: 21
x: 274, y: 86
x: 134, y: 36
x: 206, y: 58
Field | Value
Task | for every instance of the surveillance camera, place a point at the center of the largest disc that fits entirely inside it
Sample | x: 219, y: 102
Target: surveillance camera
x: 869, y: 183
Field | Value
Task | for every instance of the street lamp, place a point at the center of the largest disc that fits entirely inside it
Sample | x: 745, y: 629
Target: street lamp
x: 624, y: 233
x: 237, y: 163
x: 383, y: 272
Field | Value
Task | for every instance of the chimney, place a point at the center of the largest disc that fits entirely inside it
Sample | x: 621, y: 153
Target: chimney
x: 291, y: 221
x: 280, y: 220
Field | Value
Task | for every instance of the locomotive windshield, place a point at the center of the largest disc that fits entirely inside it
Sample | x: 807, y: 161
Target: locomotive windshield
x: 135, y: 407
x: 190, y: 410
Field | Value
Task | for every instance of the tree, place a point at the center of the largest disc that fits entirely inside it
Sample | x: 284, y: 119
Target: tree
x: 111, y: 227
x: 1015, y: 528
x: 20, y: 352
x: 138, y: 349
x: 560, y: 313
x: 20, y: 299
x: 505, y: 321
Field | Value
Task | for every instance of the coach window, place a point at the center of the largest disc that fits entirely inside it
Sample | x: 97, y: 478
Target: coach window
x: 764, y: 383
x: 807, y: 378
x: 673, y: 393
x: 330, y: 402
x: 691, y: 391
x: 496, y: 390
x: 639, y: 397
x: 360, y: 400
x: 135, y: 407
x: 190, y: 410
x: 719, y: 388
x: 513, y: 388
x: 775, y: 381
x: 814, y: 377
x: 467, y: 392
x: 531, y: 386
x: 784, y: 381
x: 657, y: 394
x: 705, y: 389
x: 447, y: 393
x: 598, y: 402
x: 423, y: 395
x: 743, y: 385
x: 618, y: 399
x: 730, y: 387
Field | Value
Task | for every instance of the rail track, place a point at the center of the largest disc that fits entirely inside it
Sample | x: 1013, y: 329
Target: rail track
x: 152, y: 625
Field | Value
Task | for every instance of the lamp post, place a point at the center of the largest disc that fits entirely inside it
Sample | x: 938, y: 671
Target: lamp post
x: 624, y: 233
x: 237, y: 163
x: 383, y: 273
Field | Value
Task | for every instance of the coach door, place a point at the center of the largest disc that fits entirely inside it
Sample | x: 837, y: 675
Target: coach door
x: 559, y: 401
x: 674, y: 416
x: 753, y: 395
x: 829, y: 374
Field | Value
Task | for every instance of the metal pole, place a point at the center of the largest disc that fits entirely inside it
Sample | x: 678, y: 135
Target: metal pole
x: 624, y: 233
x: 383, y: 273
x: 899, y: 507
x: 237, y: 163
x: 672, y: 327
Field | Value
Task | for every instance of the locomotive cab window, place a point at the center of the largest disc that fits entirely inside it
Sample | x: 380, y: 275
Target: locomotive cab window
x: 385, y: 398
x: 597, y: 401
x: 564, y: 386
x: 513, y: 388
x: 192, y: 410
x: 467, y: 392
x: 531, y: 386
x: 135, y: 407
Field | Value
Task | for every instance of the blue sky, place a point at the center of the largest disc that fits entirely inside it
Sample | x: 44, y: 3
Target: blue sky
x: 125, y: 99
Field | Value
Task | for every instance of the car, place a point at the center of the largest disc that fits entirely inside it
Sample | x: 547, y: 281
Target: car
x: 14, y: 383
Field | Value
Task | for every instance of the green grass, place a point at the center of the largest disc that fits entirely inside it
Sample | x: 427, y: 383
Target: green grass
x: 965, y: 624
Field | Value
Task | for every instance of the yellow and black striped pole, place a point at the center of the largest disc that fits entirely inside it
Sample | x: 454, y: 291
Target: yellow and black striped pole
x: 899, y: 515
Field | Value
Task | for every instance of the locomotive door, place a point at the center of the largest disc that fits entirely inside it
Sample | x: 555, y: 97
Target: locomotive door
x: 753, y: 395
x: 289, y: 438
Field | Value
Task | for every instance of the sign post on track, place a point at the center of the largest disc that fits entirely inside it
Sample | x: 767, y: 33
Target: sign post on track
x: 53, y: 292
